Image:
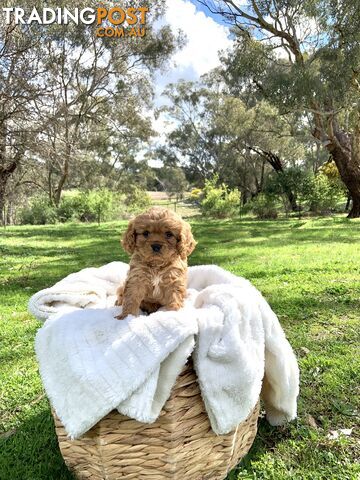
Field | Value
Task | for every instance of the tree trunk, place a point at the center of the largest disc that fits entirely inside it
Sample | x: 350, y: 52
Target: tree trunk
x: 63, y: 178
x: 349, y: 171
x: 348, y: 201
x: 344, y: 156
x: 5, y: 174
x: 355, y: 209
x: 345, y: 150
x: 292, y: 199
x: 353, y: 171
x: 2, y: 206
x: 9, y: 212
x: 275, y: 162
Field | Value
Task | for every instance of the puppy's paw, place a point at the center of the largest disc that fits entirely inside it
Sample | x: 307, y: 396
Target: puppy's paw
x: 119, y: 296
x: 124, y: 315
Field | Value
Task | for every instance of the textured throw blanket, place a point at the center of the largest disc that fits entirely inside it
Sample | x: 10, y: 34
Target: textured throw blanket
x: 91, y: 363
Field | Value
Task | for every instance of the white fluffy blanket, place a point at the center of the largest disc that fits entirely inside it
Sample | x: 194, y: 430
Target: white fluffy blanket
x: 91, y: 363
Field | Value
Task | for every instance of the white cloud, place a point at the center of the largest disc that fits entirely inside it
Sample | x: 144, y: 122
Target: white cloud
x: 205, y: 38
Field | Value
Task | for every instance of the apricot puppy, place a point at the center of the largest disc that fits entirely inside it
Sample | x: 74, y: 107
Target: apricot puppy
x: 159, y: 242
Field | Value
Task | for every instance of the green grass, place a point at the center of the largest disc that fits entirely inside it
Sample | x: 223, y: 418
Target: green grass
x: 309, y: 270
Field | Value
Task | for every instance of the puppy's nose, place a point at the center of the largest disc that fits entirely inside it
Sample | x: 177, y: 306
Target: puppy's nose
x: 156, y: 247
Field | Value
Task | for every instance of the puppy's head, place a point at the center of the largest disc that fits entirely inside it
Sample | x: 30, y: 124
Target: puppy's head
x: 158, y: 236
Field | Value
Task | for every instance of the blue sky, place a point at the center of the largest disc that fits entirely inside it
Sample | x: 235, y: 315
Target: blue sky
x: 205, y: 34
x: 202, y: 8
x: 205, y: 37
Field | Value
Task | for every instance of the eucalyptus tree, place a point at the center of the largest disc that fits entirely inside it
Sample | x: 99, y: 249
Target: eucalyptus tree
x: 241, y: 142
x: 99, y: 86
x: 19, y: 70
x: 302, y: 57
x: 61, y: 84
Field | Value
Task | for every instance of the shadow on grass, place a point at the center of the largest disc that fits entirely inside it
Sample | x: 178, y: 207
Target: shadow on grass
x: 35, y: 274
x: 63, y: 230
x: 267, y: 438
x: 32, y: 452
x: 270, y: 237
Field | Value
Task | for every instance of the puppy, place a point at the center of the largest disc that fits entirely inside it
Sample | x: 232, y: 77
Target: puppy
x: 159, y: 242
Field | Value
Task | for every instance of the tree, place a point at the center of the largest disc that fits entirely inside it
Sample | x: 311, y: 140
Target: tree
x: 60, y: 83
x: 291, y: 53
x: 19, y: 69
x: 215, y: 132
x: 174, y: 182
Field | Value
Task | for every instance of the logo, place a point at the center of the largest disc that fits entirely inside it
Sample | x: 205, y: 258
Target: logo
x: 110, y: 22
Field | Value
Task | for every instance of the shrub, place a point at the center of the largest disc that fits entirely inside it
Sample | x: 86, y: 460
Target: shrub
x: 137, y: 200
x: 264, y: 207
x: 219, y: 201
x: 318, y: 193
x: 195, y: 195
x: 324, y: 194
x: 95, y: 205
x: 38, y: 212
x: 294, y: 180
x: 69, y: 208
x: 88, y: 206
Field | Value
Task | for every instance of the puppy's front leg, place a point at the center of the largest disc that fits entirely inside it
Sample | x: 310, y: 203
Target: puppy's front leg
x: 175, y: 299
x: 119, y: 295
x: 132, y: 297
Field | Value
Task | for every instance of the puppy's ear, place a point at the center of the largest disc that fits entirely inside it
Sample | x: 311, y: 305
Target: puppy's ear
x: 129, y: 239
x: 186, y: 243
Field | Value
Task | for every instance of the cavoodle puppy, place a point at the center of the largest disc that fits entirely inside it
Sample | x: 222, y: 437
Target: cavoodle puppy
x: 159, y: 242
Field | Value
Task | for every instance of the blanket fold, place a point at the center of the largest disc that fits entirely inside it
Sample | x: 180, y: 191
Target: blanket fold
x: 91, y: 363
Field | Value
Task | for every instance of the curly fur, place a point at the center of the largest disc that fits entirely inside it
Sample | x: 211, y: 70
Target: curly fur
x: 156, y: 278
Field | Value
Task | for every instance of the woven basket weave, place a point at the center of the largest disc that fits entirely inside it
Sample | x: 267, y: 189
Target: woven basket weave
x: 180, y: 445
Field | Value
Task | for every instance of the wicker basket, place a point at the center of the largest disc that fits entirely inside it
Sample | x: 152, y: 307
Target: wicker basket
x: 179, y: 445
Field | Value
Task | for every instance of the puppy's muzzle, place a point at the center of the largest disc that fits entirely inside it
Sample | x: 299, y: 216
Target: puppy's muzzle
x: 156, y: 247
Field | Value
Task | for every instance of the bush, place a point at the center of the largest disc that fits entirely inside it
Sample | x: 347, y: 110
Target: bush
x: 39, y: 212
x: 293, y: 180
x: 96, y: 205
x: 318, y: 193
x: 69, y: 208
x: 137, y: 200
x: 219, y: 201
x: 264, y: 207
x: 324, y: 194
x: 196, y: 195
x: 89, y: 206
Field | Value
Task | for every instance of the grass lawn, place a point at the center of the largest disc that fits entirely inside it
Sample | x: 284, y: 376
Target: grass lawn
x: 309, y: 270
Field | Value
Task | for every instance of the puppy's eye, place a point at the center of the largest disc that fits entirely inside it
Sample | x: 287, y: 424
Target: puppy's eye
x: 169, y: 234
x: 146, y: 233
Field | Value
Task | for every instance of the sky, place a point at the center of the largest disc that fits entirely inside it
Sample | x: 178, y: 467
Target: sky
x: 205, y: 37
x: 202, y: 8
